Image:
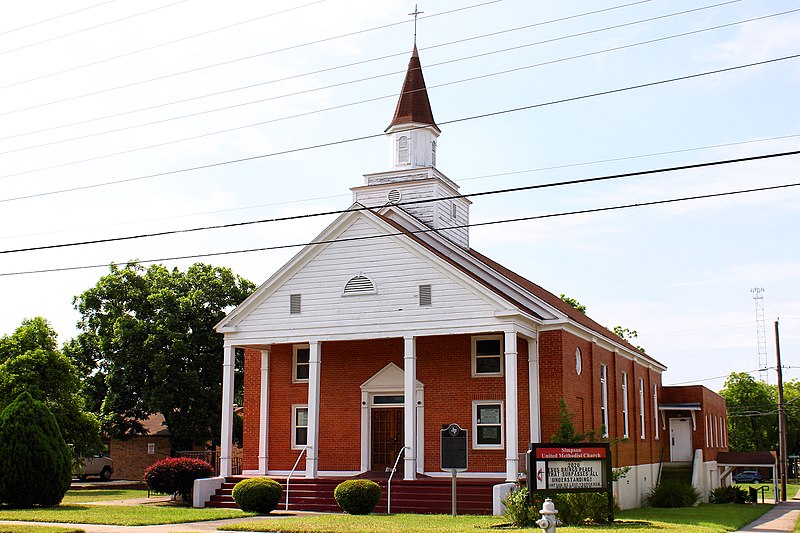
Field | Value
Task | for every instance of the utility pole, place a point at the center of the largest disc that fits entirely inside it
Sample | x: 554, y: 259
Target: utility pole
x: 781, y: 417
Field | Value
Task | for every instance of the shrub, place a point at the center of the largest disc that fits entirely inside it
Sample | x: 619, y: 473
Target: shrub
x: 673, y: 494
x: 518, y: 510
x: 258, y: 495
x: 730, y: 494
x: 176, y: 475
x: 357, y: 496
x: 575, y: 508
x: 35, y: 462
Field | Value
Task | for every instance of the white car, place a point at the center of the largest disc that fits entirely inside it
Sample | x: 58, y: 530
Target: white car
x: 98, y: 465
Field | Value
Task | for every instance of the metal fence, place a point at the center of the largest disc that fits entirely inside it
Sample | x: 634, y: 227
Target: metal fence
x: 212, y: 458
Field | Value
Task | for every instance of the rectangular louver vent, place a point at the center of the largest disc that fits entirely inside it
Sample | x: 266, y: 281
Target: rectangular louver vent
x: 425, y: 295
x: 294, y: 304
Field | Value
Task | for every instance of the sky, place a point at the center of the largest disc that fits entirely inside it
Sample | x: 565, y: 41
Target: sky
x: 127, y: 118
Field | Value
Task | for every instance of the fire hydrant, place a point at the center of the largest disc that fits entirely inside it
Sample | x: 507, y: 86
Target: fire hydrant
x: 548, y: 521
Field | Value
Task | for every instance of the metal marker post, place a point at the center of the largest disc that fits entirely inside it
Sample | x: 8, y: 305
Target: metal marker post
x: 453, y: 492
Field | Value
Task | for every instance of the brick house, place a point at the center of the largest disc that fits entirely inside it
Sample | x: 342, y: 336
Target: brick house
x: 393, y: 326
x: 132, y: 456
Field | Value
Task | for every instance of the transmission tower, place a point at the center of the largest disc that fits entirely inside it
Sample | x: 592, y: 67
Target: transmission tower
x: 761, y: 334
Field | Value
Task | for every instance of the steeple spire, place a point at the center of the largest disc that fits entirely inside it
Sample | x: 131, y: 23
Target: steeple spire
x: 413, y: 107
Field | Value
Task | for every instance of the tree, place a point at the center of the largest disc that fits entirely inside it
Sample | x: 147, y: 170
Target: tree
x: 573, y: 302
x: 30, y: 362
x: 752, y: 413
x: 149, y: 335
x: 35, y: 462
x: 628, y: 335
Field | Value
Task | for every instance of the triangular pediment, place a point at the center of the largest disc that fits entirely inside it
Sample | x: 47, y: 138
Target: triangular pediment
x: 389, y: 378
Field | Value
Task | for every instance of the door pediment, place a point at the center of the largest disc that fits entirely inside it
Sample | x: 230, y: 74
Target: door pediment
x: 389, y: 378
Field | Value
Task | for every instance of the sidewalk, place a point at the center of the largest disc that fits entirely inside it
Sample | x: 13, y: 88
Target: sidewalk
x: 780, y: 518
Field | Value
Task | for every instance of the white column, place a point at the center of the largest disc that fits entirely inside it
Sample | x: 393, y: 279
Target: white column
x: 410, y: 406
x: 263, y: 416
x: 226, y: 436
x: 312, y: 454
x: 534, y: 392
x: 512, y: 427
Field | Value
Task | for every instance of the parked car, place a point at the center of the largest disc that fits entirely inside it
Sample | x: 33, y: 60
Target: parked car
x: 98, y: 465
x: 748, y: 476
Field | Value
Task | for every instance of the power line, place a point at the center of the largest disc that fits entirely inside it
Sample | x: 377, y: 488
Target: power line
x: 293, y: 47
x: 484, y: 176
x: 352, y: 139
x: 524, y: 188
x: 420, y: 231
x: 90, y: 28
x: 5, y: 32
x: 378, y: 76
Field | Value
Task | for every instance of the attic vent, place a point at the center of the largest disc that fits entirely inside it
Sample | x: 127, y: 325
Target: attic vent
x: 294, y: 304
x: 359, y: 285
x: 425, y: 295
x: 394, y: 196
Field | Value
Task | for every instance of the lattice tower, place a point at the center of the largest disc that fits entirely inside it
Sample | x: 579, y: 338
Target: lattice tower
x: 761, y: 334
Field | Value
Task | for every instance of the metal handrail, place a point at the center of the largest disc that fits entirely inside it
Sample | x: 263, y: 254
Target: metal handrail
x: 389, y: 483
x: 292, y: 472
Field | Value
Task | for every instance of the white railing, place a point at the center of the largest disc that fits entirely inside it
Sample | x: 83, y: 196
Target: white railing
x: 389, y: 483
x: 288, y: 479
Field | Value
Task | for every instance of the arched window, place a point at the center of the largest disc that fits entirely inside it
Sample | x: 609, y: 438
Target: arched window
x: 433, y: 153
x: 359, y: 285
x: 402, y: 149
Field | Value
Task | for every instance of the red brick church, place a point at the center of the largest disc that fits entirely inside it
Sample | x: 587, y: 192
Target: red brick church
x: 394, y: 326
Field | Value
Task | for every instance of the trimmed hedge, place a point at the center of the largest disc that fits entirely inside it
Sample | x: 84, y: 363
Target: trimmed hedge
x: 35, y: 462
x: 176, y: 475
x: 257, y: 495
x: 357, y: 496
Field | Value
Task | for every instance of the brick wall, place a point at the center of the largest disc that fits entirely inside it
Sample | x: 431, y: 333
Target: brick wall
x: 131, y: 458
x: 712, y: 419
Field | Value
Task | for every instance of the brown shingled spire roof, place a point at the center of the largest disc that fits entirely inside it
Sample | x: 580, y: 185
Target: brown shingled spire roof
x: 413, y: 105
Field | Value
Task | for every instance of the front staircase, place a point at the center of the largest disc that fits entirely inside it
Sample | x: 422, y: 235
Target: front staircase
x: 679, y: 471
x: 427, y: 495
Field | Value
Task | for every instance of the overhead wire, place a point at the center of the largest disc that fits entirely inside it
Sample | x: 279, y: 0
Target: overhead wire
x: 393, y: 73
x: 418, y: 231
x: 523, y: 188
x: 87, y: 8
x: 354, y: 139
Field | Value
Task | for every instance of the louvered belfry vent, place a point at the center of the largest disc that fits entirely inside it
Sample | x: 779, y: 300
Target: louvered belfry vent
x: 359, y: 285
x: 425, y: 295
x: 294, y: 304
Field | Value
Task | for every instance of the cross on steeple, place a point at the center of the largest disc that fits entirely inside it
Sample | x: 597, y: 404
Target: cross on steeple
x: 416, y: 13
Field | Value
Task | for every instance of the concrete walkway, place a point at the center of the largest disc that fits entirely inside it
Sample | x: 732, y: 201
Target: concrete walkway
x: 780, y: 518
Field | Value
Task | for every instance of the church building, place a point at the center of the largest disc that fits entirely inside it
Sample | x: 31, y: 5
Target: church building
x: 390, y: 326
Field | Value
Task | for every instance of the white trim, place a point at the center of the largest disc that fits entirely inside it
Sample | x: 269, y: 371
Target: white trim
x: 626, y: 428
x: 295, y: 408
x: 578, y: 361
x: 512, y: 411
x: 474, y: 356
x: 296, y: 347
x: 263, y: 415
x: 642, y: 418
x: 655, y: 411
x: 533, y: 390
x: 604, y: 398
x: 410, y: 408
x: 226, y: 427
x: 314, y: 364
x: 501, y: 424
x: 476, y: 475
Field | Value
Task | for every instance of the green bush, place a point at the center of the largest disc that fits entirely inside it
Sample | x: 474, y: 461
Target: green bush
x: 176, y: 475
x: 35, y: 462
x: 672, y: 494
x: 258, y: 495
x: 575, y: 508
x: 730, y: 494
x: 518, y: 510
x: 357, y: 496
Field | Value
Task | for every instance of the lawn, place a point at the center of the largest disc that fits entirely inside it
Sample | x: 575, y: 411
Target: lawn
x: 99, y: 495
x: 138, y: 515
x: 791, y: 489
x: 702, y: 519
x: 5, y: 528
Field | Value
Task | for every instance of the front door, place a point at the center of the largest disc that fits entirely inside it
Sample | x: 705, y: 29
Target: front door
x: 387, y: 437
x: 680, y: 444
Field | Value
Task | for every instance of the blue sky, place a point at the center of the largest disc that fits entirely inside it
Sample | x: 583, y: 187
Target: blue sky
x: 680, y: 274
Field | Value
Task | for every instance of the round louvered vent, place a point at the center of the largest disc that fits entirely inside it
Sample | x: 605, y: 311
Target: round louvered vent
x: 394, y: 196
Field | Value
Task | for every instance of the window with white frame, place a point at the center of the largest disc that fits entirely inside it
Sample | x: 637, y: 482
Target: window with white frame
x: 300, y: 362
x: 708, y: 429
x: 402, y: 149
x: 487, y: 355
x: 487, y: 424
x: 625, y: 422
x: 151, y: 448
x: 655, y: 410
x: 299, y: 426
x: 643, y: 434
x: 604, y: 398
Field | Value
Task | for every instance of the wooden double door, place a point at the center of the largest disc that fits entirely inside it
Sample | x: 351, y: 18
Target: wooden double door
x: 387, y: 437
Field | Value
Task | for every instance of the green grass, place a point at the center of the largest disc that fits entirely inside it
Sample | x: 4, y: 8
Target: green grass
x: 791, y: 489
x: 99, y: 495
x: 702, y: 519
x: 137, y: 515
x: 5, y: 528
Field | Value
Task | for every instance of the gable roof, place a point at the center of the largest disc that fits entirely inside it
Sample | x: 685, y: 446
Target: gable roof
x: 413, y: 105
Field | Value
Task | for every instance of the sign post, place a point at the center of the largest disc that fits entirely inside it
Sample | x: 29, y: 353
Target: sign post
x: 574, y: 467
x: 453, y: 454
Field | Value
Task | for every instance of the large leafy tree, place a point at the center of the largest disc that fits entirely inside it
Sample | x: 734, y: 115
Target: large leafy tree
x: 752, y: 413
x: 31, y: 362
x: 148, y: 346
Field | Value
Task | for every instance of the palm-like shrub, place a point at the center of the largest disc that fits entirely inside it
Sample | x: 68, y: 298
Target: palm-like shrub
x: 672, y: 494
x: 176, y: 475
x: 357, y: 496
x: 258, y: 495
x: 35, y: 462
